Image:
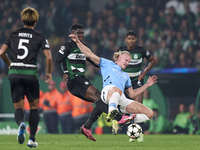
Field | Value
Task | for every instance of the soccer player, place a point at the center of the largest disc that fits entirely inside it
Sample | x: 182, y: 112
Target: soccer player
x: 72, y: 71
x: 24, y: 45
x: 114, y: 83
x: 70, y: 64
x: 134, y: 69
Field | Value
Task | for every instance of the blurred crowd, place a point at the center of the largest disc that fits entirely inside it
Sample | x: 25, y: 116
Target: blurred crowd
x: 169, y: 29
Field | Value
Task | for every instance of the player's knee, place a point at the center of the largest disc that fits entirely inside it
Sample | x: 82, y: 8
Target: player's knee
x: 34, y: 104
x: 34, y: 107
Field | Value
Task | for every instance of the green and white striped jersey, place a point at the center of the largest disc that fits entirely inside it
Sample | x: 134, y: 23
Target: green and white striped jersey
x: 25, y: 44
x: 72, y: 60
x: 134, y: 69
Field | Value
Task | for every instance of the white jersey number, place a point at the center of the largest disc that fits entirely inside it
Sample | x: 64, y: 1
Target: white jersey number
x: 21, y: 46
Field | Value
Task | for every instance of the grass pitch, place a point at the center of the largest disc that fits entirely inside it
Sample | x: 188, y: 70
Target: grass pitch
x: 104, y: 142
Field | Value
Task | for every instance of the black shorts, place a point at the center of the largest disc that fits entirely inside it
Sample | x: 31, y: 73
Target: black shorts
x: 22, y: 87
x: 78, y: 87
x: 136, y: 85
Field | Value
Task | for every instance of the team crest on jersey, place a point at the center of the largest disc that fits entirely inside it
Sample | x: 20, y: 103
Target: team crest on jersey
x: 135, y: 56
x: 147, y: 52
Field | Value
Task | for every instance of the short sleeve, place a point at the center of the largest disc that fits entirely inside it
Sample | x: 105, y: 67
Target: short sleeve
x: 146, y: 53
x: 44, y: 44
x: 104, y: 62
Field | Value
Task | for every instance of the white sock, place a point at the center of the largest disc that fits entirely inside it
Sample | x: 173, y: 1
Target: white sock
x: 140, y: 118
x: 113, y: 102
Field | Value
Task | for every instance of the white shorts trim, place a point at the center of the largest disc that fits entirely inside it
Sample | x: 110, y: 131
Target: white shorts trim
x: 123, y: 101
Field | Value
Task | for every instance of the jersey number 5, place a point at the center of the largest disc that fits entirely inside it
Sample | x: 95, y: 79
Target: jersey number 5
x: 21, y: 46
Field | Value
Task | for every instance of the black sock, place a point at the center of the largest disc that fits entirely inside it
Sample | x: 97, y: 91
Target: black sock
x: 118, y: 117
x: 102, y: 106
x: 96, y: 113
x: 33, y: 122
x: 19, y: 116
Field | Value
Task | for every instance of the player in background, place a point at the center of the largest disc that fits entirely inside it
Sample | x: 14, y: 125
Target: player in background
x: 114, y: 83
x: 134, y: 69
x: 24, y: 45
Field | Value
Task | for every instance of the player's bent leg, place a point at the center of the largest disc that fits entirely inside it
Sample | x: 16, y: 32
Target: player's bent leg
x: 138, y: 108
x: 94, y: 95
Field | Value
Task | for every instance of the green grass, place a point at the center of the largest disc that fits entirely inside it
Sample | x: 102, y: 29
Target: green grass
x: 104, y: 142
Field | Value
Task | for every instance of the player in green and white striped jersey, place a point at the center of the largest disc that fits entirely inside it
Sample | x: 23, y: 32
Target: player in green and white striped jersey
x: 134, y: 68
x: 70, y: 64
x: 25, y: 44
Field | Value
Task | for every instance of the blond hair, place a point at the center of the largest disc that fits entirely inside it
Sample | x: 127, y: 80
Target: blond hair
x: 29, y: 16
x: 117, y: 54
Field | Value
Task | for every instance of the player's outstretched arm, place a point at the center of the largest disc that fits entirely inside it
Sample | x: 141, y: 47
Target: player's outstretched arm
x: 133, y: 93
x: 85, y: 50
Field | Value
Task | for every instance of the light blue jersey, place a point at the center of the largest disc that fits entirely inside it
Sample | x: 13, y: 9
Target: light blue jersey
x: 112, y: 74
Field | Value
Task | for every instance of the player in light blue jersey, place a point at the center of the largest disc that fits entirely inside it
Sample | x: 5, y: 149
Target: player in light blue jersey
x: 114, y: 83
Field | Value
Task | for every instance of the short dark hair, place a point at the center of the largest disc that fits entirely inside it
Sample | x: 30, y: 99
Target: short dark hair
x: 76, y: 26
x: 131, y: 32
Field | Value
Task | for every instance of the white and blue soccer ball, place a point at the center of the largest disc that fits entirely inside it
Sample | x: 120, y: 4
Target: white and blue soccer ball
x: 134, y: 131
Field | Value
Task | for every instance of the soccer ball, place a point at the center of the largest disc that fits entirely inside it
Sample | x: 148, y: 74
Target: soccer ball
x: 134, y: 131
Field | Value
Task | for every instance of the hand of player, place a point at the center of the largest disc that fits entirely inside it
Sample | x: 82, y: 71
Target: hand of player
x: 74, y: 37
x: 48, y: 78
x: 152, y: 80
x: 65, y: 79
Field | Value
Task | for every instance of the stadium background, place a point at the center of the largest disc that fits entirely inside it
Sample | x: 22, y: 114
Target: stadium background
x: 159, y: 30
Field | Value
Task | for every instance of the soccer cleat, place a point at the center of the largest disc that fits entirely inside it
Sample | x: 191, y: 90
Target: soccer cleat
x: 111, y: 115
x: 32, y: 144
x: 132, y: 140
x: 87, y: 133
x: 126, y: 119
x: 141, y: 138
x: 21, y: 134
x: 115, y: 127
